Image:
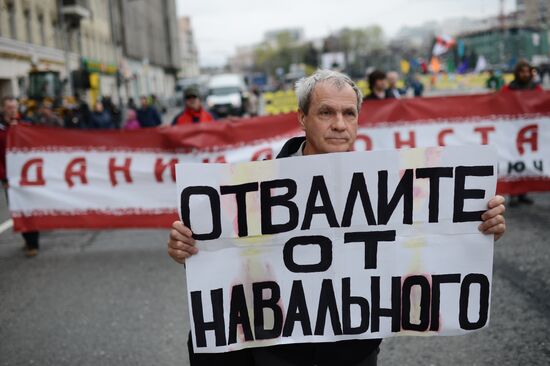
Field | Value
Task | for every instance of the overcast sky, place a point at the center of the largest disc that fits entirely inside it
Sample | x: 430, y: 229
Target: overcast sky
x: 221, y: 25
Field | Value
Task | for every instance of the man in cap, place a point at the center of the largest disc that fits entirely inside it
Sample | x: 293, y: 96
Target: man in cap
x: 194, y: 111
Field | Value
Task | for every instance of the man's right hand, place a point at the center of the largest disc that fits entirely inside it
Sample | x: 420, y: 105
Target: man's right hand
x: 181, y: 244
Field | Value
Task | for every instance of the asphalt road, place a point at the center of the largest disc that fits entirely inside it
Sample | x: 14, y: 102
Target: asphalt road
x: 115, y: 298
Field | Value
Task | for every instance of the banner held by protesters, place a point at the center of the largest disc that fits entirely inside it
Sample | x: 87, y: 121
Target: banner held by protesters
x: 82, y: 179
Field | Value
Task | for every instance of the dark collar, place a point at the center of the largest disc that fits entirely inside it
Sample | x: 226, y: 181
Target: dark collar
x: 291, y: 147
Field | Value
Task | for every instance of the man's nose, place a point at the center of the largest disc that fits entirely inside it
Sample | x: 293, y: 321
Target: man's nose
x: 339, y: 123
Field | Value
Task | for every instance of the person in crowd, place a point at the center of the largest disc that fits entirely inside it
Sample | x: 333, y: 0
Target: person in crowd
x: 113, y: 110
x: 193, y: 112
x: 536, y: 76
x: 413, y: 82
x: 47, y: 117
x: 393, y: 90
x: 253, y: 102
x: 132, y: 104
x: 328, y: 108
x: 523, y: 80
x: 495, y: 81
x: 377, y: 85
x: 147, y: 114
x: 155, y: 102
x: 100, y: 119
x: 131, y: 122
x: 74, y: 118
x: 83, y: 112
x: 9, y: 116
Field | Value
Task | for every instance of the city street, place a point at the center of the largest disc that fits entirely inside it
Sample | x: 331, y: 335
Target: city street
x: 116, y: 298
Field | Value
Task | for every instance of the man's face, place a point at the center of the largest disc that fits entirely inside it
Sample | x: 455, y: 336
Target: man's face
x: 331, y: 123
x: 10, y: 110
x: 143, y: 102
x: 525, y: 74
x: 381, y: 84
x: 192, y: 102
x: 99, y: 107
x: 393, y: 77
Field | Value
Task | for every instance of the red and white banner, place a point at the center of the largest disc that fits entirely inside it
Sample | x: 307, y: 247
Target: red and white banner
x: 125, y: 179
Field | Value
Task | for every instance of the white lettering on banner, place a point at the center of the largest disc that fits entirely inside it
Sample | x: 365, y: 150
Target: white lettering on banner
x: 45, y: 183
x: 338, y: 246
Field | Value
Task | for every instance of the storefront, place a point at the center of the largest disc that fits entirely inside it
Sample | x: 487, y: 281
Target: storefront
x: 102, y: 80
x: 18, y: 58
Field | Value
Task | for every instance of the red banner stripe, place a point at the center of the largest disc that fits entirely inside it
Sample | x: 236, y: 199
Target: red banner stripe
x: 93, y: 221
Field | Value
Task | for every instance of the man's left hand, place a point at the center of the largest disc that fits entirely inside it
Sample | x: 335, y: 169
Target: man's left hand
x: 493, y: 218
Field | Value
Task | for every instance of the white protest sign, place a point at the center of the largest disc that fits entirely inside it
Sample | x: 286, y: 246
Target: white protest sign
x: 338, y: 246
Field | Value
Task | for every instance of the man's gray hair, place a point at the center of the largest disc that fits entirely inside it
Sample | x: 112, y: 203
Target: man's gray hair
x: 306, y: 85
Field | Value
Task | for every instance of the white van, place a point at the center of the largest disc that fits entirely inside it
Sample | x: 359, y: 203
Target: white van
x: 226, y: 95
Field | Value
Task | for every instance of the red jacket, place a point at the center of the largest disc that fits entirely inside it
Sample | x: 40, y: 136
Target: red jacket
x: 191, y: 116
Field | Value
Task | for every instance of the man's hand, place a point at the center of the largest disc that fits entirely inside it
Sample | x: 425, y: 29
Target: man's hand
x: 493, y: 218
x: 181, y: 244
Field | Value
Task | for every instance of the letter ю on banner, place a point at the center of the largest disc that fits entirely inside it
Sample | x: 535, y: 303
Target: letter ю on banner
x: 38, y: 165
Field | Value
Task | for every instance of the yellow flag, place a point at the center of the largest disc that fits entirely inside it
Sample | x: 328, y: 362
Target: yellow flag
x: 405, y: 67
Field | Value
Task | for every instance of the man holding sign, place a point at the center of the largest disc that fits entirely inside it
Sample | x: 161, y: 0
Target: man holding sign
x: 287, y: 214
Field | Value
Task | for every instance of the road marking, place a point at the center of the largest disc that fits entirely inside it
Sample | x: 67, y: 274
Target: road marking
x: 6, y: 225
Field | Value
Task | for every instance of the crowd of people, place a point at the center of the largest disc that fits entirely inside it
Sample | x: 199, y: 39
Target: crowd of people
x: 384, y: 85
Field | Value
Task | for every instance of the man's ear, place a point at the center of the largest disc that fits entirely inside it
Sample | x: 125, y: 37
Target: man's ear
x: 301, y: 119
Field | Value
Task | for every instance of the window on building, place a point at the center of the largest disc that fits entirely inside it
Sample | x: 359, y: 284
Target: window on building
x: 22, y: 85
x: 42, y: 29
x: 56, y: 42
x: 11, y: 16
x: 28, y: 25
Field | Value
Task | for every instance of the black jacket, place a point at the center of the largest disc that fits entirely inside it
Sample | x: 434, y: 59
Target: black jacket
x: 344, y: 353
x: 291, y: 147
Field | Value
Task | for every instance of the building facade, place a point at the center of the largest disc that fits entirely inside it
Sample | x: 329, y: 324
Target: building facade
x: 504, y: 47
x: 127, y: 48
x: 188, y: 48
x: 146, y: 33
x: 535, y: 13
x: 97, y: 51
x: 29, y: 38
